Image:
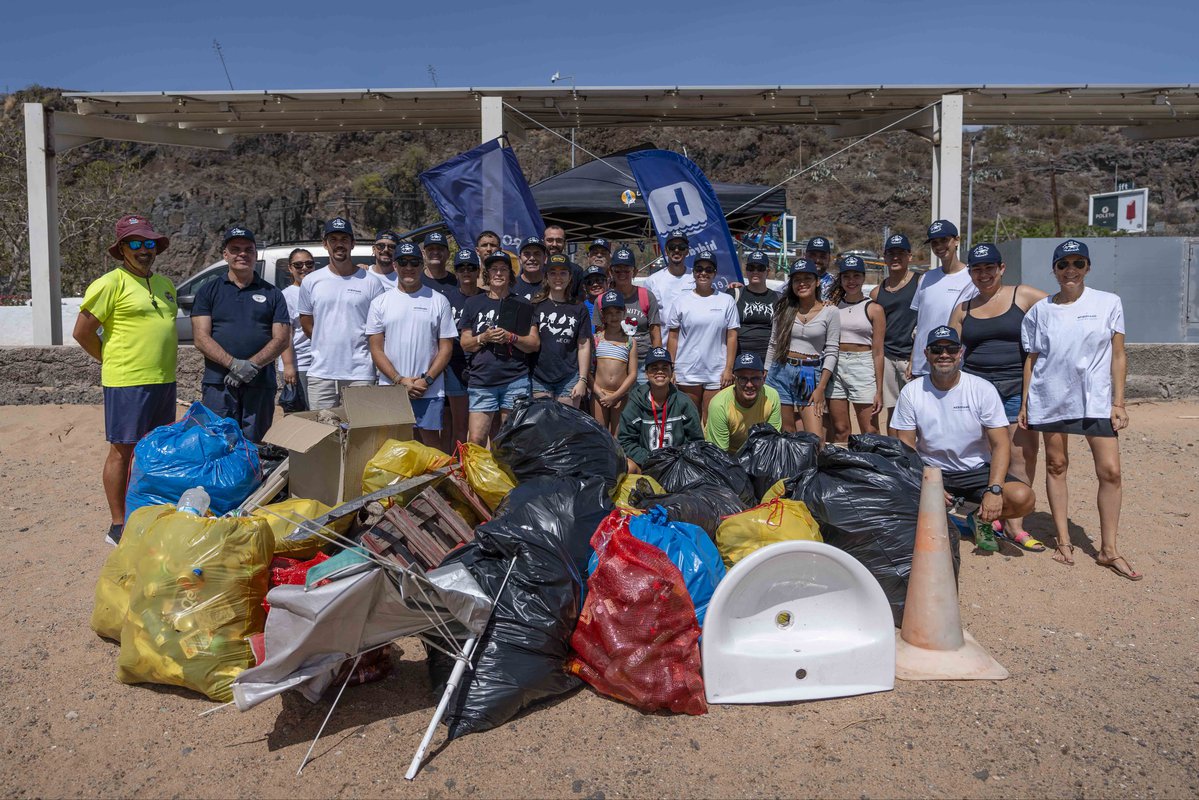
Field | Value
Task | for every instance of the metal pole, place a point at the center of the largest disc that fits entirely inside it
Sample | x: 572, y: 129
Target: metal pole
x: 1057, y: 218
x: 970, y: 201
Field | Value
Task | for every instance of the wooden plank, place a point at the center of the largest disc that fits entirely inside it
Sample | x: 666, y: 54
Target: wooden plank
x: 269, y: 487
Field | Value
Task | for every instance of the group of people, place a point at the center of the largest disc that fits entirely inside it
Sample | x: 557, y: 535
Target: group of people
x: 968, y: 368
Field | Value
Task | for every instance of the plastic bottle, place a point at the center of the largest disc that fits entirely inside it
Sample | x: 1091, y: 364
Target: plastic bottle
x: 194, y: 501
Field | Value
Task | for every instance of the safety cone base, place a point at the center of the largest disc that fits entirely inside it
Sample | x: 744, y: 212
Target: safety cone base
x: 970, y: 662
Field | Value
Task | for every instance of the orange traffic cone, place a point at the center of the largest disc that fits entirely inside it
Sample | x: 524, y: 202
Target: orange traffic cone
x: 932, y: 646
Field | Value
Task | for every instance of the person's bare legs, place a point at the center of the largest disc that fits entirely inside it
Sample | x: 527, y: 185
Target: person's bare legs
x: 867, y: 420
x: 811, y: 421
x: 1023, y: 466
x: 708, y: 395
x: 456, y: 429
x: 838, y: 412
x: 479, y: 426
x: 116, y: 479
x: 1106, y: 452
x: 696, y: 393
x: 788, y: 418
x: 429, y: 438
x: 1057, y: 463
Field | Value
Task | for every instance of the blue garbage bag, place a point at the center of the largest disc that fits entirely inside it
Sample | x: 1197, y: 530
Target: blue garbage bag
x: 688, y: 548
x: 201, y: 449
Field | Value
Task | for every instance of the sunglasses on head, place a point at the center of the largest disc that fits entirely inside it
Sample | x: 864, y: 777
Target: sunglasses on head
x: 138, y: 244
x: 303, y: 264
x: 1077, y: 263
x: 944, y: 349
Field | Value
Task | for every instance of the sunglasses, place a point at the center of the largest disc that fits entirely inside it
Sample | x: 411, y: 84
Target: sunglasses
x: 138, y: 244
x: 677, y: 248
x: 944, y: 349
x: 408, y: 262
x: 1077, y: 263
x: 704, y: 271
x: 385, y: 247
x: 303, y: 264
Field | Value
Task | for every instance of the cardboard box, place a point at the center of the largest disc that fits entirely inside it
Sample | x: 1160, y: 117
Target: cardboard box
x: 326, y: 461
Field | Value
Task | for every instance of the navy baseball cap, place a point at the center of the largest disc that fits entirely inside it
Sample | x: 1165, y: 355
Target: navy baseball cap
x: 593, y: 272
x: 238, y: 232
x: 624, y: 257
x: 804, y: 267
x: 558, y: 261
x: 533, y: 241
x: 436, y: 237
x: 658, y: 355
x: 1071, y: 247
x: 612, y: 299
x: 601, y: 243
x: 499, y: 255
x: 710, y: 258
x: 466, y: 258
x: 941, y: 228
x: 339, y: 225
x: 851, y: 264
x: 818, y: 244
x: 984, y: 253
x: 897, y: 241
x: 749, y: 361
x: 387, y: 236
x: 670, y: 237
x: 757, y: 259
x: 943, y: 334
x: 409, y: 250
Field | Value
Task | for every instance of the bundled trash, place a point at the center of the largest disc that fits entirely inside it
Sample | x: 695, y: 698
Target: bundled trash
x: 705, y: 505
x: 290, y: 516
x: 118, y: 572
x: 633, y: 485
x: 696, y: 464
x: 484, y: 475
x: 543, y: 437
x: 769, y: 455
x: 401, y: 459
x: 638, y: 639
x: 779, y: 520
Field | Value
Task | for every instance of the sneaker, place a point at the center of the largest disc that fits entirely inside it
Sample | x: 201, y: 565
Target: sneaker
x: 984, y: 535
x: 114, y: 534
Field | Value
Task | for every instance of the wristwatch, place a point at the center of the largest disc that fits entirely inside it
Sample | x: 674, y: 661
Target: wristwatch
x: 426, y: 378
x: 995, y: 488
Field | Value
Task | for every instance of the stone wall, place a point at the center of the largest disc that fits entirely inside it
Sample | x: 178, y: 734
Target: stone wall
x: 55, y: 375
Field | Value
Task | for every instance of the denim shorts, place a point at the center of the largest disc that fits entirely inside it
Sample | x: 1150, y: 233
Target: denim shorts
x: 1011, y: 407
x: 453, y: 385
x: 487, y: 399
x: 556, y: 390
x: 794, y: 382
x: 427, y: 411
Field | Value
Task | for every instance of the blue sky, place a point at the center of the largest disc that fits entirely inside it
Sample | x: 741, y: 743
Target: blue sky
x: 143, y: 46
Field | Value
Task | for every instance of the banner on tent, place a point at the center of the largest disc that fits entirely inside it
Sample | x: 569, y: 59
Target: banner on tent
x: 484, y: 190
x: 681, y: 200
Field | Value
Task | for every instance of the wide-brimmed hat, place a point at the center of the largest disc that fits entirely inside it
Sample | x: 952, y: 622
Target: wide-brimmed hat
x: 132, y: 225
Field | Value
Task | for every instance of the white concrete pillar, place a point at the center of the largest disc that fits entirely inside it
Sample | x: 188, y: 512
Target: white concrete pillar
x: 934, y: 211
x: 948, y: 164
x: 493, y: 117
x: 45, y: 278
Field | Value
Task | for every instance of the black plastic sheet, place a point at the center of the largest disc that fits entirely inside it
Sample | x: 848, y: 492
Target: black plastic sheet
x: 543, y: 437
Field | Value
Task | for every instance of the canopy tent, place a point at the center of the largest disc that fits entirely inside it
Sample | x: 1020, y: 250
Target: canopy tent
x: 586, y: 201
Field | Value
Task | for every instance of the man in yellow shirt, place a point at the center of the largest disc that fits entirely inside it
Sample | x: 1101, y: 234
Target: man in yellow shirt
x: 737, y: 408
x: 137, y: 351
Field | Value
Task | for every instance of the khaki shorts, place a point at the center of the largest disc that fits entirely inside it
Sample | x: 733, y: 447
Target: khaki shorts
x: 893, y: 381
x: 853, y: 379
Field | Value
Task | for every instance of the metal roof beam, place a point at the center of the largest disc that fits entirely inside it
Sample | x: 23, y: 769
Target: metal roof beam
x: 1169, y: 130
x: 71, y: 130
x: 861, y: 127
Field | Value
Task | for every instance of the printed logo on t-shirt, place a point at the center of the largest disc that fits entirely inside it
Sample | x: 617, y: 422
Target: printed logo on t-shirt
x: 758, y: 308
x: 1087, y: 316
x: 259, y: 298
x: 485, y: 320
x: 558, y: 325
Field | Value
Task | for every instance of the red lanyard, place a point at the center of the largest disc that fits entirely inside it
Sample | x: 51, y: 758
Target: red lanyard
x: 653, y: 408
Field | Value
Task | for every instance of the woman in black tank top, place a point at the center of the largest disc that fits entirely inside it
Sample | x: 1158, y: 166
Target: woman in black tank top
x: 989, y: 325
x: 894, y: 296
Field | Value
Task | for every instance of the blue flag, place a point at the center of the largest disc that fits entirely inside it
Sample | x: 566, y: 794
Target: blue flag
x: 484, y: 190
x: 680, y: 200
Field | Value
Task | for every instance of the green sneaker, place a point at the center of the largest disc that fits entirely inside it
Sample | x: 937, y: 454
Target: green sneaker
x: 984, y: 535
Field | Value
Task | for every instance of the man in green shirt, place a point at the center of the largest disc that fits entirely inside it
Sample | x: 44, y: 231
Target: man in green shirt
x: 737, y: 408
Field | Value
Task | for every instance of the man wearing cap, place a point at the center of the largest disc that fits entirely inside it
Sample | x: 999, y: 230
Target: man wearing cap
x: 384, y: 250
x: 137, y: 353
x: 334, y: 303
x: 657, y: 414
x: 641, y: 307
x: 675, y: 279
x: 819, y: 251
x: 599, y: 254
x: 411, y: 335
x: 895, y: 295
x: 466, y: 272
x: 436, y: 252
x: 737, y: 408
x: 957, y: 423
x: 940, y: 289
x: 554, y: 237
x: 240, y: 324
x: 531, y: 280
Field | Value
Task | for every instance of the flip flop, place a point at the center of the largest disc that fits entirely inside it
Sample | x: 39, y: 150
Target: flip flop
x: 1068, y: 557
x: 1131, y: 575
x: 1025, y: 541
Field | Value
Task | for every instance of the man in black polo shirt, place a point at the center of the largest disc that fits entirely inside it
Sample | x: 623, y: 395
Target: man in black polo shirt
x: 240, y: 324
x: 436, y: 254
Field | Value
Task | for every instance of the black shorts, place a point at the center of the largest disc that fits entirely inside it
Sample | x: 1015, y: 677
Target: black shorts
x: 130, y: 412
x: 972, y: 483
x: 1082, y: 426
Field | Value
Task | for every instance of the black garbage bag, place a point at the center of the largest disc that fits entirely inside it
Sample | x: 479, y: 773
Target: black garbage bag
x: 704, y: 506
x: 769, y: 455
x: 543, y: 437
x: 683, y: 468
x: 546, y: 524
x: 866, y: 500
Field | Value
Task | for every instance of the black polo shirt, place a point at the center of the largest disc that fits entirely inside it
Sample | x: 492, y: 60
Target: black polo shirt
x: 241, y: 322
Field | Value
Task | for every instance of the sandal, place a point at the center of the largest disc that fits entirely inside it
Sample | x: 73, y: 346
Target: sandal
x: 1113, y: 565
x: 1064, y: 554
x: 1025, y: 541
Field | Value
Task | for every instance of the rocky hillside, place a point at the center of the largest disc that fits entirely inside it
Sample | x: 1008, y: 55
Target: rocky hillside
x: 284, y: 186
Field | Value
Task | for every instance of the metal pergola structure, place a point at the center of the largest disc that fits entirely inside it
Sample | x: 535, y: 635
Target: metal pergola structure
x: 212, y: 119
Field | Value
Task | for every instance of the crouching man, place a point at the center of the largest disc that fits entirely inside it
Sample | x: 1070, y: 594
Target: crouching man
x: 957, y: 423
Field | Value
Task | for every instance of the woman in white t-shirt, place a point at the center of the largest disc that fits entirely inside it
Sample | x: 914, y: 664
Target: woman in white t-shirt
x: 703, y: 327
x: 1074, y: 384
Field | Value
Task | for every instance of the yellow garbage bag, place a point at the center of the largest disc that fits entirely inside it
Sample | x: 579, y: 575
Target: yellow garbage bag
x: 397, y: 459
x: 775, y: 492
x: 779, y: 520
x: 484, y: 475
x: 627, y: 484
x: 196, y: 598
x: 284, y: 517
x: 116, y: 576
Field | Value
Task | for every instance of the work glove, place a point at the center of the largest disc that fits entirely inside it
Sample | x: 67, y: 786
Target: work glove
x: 245, y: 371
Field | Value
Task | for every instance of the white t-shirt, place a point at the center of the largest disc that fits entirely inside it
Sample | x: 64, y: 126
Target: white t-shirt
x: 389, y: 280
x: 701, y: 323
x: 666, y: 287
x: 951, y: 426
x: 933, y: 303
x: 1072, y: 376
x: 339, y: 306
x: 299, y: 339
x: 413, y: 326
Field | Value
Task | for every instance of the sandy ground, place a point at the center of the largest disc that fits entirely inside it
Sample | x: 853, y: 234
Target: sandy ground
x: 1102, y: 701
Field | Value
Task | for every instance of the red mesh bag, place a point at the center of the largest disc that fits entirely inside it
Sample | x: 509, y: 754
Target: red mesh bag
x: 291, y: 572
x: 637, y: 639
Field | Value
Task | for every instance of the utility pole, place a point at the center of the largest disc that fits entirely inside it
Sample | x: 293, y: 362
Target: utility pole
x: 1057, y: 217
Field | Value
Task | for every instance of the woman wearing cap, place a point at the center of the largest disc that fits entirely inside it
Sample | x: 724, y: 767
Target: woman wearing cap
x: 1074, y: 385
x: 755, y: 307
x: 895, y: 294
x: 466, y: 272
x: 703, y: 337
x: 858, y: 377
x: 136, y: 308
x: 990, y: 325
x: 563, y: 363
x: 804, y: 344
x: 615, y: 363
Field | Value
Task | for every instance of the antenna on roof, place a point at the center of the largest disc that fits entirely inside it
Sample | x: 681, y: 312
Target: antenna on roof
x: 433, y: 74
x: 217, y: 47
